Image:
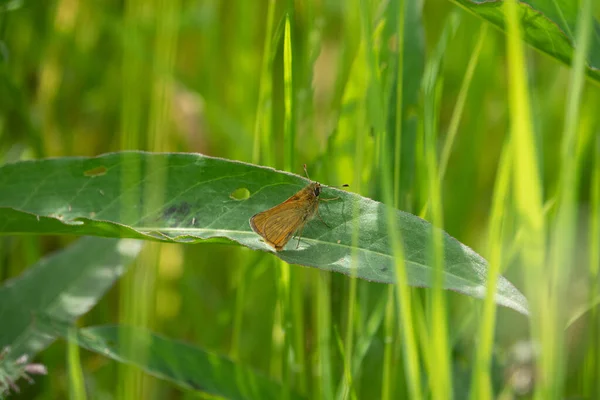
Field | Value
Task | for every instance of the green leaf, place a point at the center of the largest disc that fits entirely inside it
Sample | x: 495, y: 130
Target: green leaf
x: 549, y: 26
x: 186, y: 366
x: 64, y: 285
x: 87, y: 196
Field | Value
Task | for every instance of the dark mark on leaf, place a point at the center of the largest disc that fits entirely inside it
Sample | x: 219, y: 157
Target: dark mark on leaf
x: 177, y: 210
x: 169, y: 211
x: 176, y: 215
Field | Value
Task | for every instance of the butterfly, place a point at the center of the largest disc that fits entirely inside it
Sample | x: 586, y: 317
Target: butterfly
x: 278, y: 224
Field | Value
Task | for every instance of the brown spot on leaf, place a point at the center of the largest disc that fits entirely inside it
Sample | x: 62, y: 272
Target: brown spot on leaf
x: 98, y: 171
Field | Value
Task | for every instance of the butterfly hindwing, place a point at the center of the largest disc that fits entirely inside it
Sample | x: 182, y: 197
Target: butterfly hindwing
x: 278, y: 224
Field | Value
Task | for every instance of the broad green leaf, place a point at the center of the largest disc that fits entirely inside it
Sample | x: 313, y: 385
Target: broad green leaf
x: 186, y: 366
x: 85, y: 196
x: 547, y: 25
x: 64, y: 285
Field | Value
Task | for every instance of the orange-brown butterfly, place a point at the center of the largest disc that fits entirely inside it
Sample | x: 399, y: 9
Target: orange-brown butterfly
x: 277, y: 225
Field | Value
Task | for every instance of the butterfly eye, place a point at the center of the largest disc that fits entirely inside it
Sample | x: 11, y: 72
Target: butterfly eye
x: 317, y: 190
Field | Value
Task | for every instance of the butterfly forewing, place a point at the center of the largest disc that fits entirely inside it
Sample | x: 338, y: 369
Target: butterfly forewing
x: 277, y: 225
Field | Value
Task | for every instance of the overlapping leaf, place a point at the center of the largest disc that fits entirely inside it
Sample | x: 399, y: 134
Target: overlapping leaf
x: 184, y: 365
x: 116, y: 195
x: 65, y: 285
x: 549, y: 26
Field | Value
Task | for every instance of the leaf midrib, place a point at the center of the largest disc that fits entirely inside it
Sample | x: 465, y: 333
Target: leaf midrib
x: 315, y: 241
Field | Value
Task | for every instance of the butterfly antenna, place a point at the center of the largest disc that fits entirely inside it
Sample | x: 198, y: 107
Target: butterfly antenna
x: 306, y: 172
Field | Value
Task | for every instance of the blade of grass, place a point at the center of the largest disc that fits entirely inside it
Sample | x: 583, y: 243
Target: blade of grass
x: 291, y: 71
x: 408, y: 75
x: 76, y: 382
x: 289, y: 129
x: 403, y: 296
x: 389, y: 370
x: 130, y: 135
x: 347, y: 387
x: 368, y: 63
x: 54, y: 141
x: 287, y: 293
x: 439, y: 366
x: 371, y: 326
x: 390, y: 172
x: 441, y: 386
x: 277, y: 359
x: 459, y: 106
x: 299, y: 370
x: 263, y: 151
x: 262, y: 122
x: 594, y: 265
x: 142, y: 289
x: 563, y: 233
x: 240, y: 301
x: 350, y: 131
x: 397, y: 160
x: 481, y: 383
x: 527, y: 190
x: 323, y: 368
x: 282, y: 329
x: 432, y: 76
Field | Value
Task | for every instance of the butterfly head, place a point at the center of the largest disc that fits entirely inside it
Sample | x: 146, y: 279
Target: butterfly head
x: 316, y: 187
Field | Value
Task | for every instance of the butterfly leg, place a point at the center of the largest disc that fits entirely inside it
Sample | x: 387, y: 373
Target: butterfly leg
x: 299, y: 237
x: 326, y: 200
x: 319, y: 215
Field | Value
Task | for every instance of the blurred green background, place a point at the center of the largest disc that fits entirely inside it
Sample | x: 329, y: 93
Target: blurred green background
x: 85, y: 78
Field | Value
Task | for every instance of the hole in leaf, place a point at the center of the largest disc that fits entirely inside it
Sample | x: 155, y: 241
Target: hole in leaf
x: 240, y: 194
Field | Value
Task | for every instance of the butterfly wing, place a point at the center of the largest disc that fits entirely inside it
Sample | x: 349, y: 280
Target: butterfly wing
x: 278, y: 224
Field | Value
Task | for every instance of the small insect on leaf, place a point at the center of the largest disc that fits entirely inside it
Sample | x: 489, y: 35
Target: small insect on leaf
x: 278, y: 224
